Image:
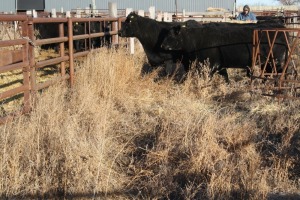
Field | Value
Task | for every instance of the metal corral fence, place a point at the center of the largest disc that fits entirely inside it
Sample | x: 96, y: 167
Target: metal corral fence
x: 280, y: 83
x: 24, y: 58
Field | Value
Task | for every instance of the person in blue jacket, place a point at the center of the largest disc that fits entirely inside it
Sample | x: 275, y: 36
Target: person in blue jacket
x: 246, y: 15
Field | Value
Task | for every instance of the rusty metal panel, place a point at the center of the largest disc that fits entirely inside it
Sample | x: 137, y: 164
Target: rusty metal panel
x: 9, y: 57
x: 281, y: 84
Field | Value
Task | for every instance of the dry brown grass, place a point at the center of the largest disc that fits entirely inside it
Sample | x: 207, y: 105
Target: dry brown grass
x: 117, y: 135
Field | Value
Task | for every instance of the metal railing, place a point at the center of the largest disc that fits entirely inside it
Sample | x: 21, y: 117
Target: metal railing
x: 282, y: 82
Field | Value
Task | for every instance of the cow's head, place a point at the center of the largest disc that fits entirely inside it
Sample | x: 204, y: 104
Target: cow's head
x: 173, y: 39
x: 130, y: 26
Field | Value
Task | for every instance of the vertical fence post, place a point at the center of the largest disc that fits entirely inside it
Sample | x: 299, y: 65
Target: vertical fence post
x: 113, y: 12
x: 183, y: 15
x: 68, y: 14
x: 152, y: 12
x: 159, y: 17
x: 53, y: 13
x: 119, y: 27
x: 26, y: 70
x: 85, y: 26
x: 141, y: 13
x: 167, y: 17
x: 71, y: 51
x: 90, y: 39
x: 31, y: 56
x: 62, y: 50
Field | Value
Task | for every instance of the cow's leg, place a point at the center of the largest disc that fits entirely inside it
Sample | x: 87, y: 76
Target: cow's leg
x: 77, y: 45
x: 223, y: 72
x: 176, y: 71
x: 213, y: 71
x: 249, y: 72
x: 147, y: 69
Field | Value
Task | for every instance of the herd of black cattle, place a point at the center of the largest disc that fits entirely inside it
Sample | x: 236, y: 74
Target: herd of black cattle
x: 174, y: 46
x: 50, y: 30
x: 224, y: 45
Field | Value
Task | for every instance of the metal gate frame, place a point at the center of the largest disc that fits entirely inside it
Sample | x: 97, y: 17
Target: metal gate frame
x: 285, y: 84
x: 24, y: 64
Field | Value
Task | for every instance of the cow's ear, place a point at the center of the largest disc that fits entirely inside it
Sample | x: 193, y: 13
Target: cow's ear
x: 133, y: 16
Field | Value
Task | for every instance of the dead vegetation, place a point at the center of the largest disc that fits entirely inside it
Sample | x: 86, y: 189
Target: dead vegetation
x: 120, y: 135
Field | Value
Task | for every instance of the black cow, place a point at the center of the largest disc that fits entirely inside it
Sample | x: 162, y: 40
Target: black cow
x: 79, y: 29
x: 90, y: 28
x: 276, y: 19
x: 50, y: 30
x: 44, y: 31
x: 151, y: 34
x: 226, y: 45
